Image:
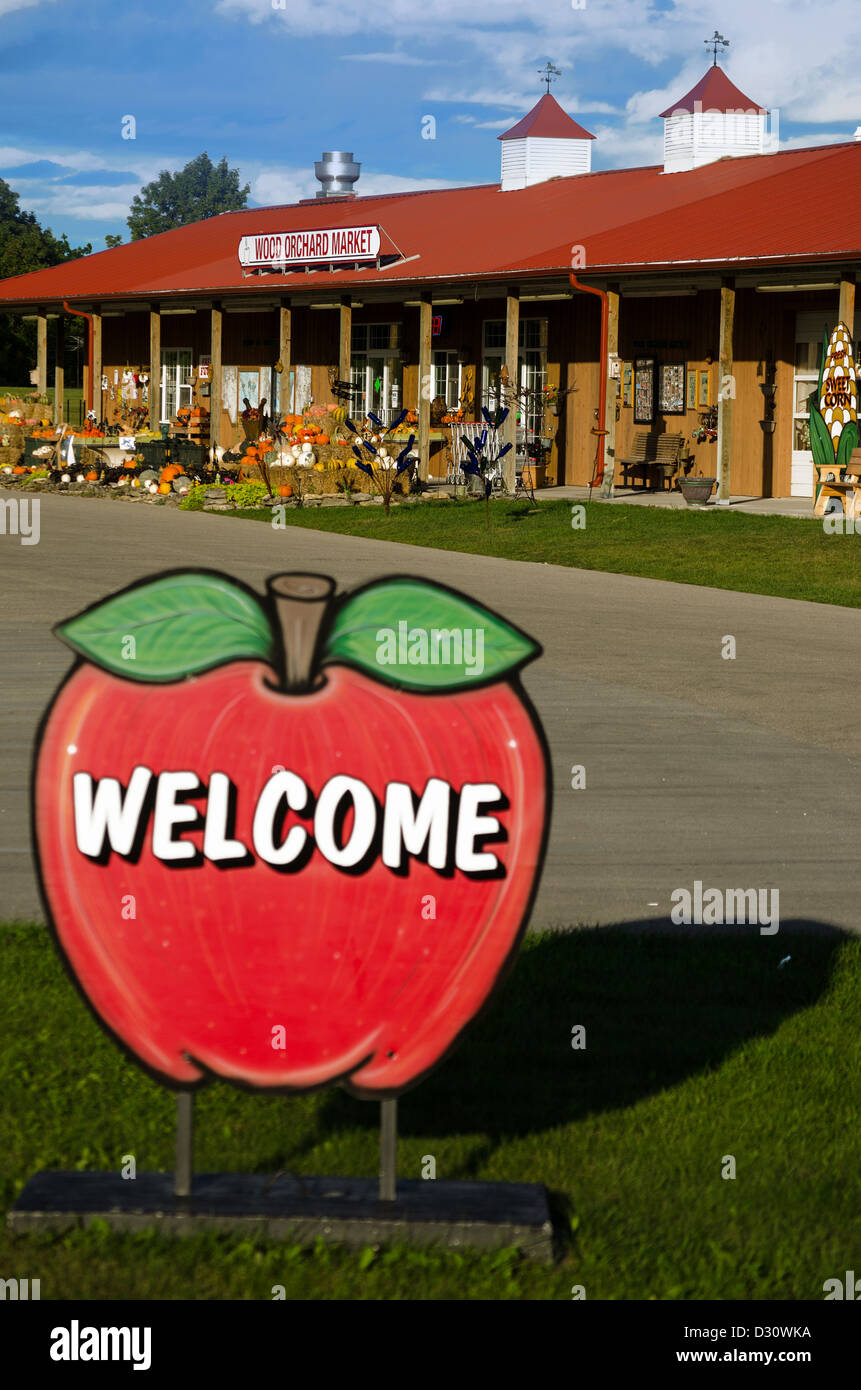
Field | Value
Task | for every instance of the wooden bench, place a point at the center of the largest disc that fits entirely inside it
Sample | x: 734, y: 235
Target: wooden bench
x: 654, y: 456
x: 642, y: 456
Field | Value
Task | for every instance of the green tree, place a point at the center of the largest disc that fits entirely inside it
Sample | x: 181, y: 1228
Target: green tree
x: 112, y: 240
x: 200, y: 190
x: 24, y: 246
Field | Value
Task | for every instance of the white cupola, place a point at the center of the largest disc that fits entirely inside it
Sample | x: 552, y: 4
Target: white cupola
x: 546, y: 144
x: 714, y: 120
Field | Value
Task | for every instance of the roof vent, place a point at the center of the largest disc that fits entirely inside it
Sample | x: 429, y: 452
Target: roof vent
x: 714, y: 120
x: 546, y: 144
x: 337, y: 172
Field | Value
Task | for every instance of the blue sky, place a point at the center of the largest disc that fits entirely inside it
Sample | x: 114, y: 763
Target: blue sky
x: 272, y: 83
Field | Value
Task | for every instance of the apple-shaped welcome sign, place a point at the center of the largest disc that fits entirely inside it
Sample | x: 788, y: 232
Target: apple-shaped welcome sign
x: 290, y: 841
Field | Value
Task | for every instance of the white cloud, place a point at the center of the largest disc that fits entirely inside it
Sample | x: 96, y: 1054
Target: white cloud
x: 273, y: 186
x: 84, y: 202
x: 401, y: 60
x: 781, y: 54
x: 10, y: 6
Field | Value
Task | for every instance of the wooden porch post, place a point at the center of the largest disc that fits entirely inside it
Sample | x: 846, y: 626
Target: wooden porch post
x: 41, y: 352
x: 97, y: 361
x: 726, y: 392
x: 285, y: 349
x: 512, y: 362
x: 215, y: 326
x: 155, y: 368
x: 847, y: 300
x: 613, y: 386
x: 59, y: 373
x: 425, y: 382
x: 345, y: 345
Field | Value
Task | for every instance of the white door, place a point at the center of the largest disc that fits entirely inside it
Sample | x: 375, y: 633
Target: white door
x: 177, y: 381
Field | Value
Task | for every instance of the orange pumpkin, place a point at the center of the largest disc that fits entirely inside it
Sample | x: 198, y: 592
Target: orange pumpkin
x: 285, y: 490
x: 19, y: 469
x: 169, y: 473
x: 92, y: 477
x: 322, y: 439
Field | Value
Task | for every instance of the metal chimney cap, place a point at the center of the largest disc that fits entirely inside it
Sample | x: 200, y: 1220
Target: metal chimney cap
x: 337, y: 172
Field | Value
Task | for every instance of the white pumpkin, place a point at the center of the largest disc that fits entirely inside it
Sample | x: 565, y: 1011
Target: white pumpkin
x: 65, y: 478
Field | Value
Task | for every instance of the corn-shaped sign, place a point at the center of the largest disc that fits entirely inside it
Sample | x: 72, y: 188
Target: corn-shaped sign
x: 834, y: 416
x: 838, y: 397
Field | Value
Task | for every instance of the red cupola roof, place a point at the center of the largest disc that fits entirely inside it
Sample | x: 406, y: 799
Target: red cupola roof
x: 714, y: 92
x: 547, y: 120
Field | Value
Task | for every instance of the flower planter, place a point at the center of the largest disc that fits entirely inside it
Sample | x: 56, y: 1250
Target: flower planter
x: 534, y: 475
x: 697, y: 489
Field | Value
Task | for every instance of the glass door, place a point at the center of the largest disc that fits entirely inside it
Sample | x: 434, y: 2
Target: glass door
x: 177, y: 381
x: 808, y: 351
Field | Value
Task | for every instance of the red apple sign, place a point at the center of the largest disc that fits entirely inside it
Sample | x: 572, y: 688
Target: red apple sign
x: 290, y: 842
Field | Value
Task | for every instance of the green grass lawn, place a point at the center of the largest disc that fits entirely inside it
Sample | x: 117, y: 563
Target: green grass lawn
x: 697, y: 1048
x: 786, y: 556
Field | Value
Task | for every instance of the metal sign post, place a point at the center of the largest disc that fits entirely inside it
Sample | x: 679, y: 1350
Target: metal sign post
x: 388, y: 1150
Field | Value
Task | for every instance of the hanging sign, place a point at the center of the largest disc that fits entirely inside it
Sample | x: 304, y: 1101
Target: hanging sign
x: 436, y: 325
x: 127, y: 441
x: 274, y: 249
x: 279, y: 906
x: 204, y: 369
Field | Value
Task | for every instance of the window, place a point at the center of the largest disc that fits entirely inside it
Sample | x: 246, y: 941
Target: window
x: 531, y: 374
x: 375, y: 369
x: 446, y: 378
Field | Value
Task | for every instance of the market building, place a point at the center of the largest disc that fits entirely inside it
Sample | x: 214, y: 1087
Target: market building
x: 719, y: 269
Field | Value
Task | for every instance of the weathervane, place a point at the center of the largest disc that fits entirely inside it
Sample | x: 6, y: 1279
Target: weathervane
x: 549, y: 74
x: 714, y: 43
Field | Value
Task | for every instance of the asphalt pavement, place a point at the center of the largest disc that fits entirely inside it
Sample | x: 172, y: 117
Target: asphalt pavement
x: 739, y: 773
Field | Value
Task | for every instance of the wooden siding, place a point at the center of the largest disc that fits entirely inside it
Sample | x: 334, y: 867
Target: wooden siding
x: 764, y: 328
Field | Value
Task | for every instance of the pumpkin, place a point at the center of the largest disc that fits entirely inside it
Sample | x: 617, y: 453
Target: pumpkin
x: 285, y: 490
x: 19, y: 469
x: 322, y: 439
x: 164, y: 487
x: 92, y: 477
x: 170, y: 472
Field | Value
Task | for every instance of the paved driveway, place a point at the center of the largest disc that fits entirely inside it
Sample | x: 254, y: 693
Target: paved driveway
x: 741, y: 773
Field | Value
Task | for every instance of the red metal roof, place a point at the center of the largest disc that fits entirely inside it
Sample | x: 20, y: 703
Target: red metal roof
x: 715, y: 92
x: 797, y: 205
x: 547, y: 121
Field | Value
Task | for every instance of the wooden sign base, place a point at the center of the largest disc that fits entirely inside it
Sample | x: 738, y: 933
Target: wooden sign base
x: 343, y: 1211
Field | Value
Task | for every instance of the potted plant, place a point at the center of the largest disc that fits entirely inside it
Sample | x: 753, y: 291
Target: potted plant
x: 550, y: 399
x: 696, y: 489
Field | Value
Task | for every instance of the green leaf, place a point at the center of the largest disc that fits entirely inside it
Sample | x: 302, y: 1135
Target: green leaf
x: 422, y: 636
x: 847, y: 442
x: 180, y: 624
x: 820, y: 437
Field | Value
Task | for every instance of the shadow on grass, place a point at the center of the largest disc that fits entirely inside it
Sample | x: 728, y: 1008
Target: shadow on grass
x: 658, y: 1005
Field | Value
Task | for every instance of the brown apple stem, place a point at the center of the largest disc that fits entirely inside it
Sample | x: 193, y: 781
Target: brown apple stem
x: 301, y: 601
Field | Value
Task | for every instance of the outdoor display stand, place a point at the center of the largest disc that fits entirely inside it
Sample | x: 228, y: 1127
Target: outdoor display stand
x: 381, y: 899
